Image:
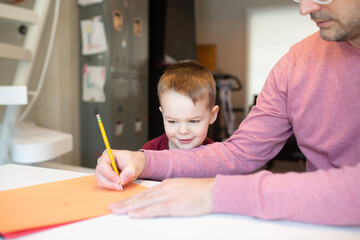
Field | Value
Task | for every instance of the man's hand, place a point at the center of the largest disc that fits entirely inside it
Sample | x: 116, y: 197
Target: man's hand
x: 172, y: 197
x: 131, y: 164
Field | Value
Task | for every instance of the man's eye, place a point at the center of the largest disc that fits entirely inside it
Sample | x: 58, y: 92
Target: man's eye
x: 171, y: 121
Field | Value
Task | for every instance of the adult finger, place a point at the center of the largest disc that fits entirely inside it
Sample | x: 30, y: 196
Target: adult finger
x: 146, y: 198
x: 172, y: 197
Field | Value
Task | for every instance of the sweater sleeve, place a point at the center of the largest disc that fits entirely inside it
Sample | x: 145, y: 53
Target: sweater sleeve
x: 330, y: 197
x: 257, y: 140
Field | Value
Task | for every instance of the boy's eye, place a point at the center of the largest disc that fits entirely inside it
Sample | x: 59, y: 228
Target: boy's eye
x: 194, y: 121
x: 171, y: 121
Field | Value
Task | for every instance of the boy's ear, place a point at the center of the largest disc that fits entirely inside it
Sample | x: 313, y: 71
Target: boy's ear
x: 214, y: 113
x: 160, y: 109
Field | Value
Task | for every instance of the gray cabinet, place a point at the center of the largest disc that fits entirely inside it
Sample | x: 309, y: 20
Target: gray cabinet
x: 125, y: 110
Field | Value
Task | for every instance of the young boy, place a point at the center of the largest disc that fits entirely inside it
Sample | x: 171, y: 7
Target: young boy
x: 187, y: 92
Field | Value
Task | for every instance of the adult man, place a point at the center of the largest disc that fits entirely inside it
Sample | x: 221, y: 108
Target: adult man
x: 313, y: 92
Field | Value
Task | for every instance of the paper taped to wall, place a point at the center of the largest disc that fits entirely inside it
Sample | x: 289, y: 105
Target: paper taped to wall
x: 94, y: 78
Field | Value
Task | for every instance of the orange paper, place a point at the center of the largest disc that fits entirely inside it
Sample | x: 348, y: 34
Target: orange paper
x: 57, y: 203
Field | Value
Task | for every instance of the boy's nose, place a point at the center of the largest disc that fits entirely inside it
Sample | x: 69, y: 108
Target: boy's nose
x: 184, y: 129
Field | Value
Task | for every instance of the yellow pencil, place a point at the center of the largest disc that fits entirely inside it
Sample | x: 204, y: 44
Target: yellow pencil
x: 107, y: 145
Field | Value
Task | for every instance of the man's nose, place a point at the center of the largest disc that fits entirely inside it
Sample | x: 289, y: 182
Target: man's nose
x: 308, y: 6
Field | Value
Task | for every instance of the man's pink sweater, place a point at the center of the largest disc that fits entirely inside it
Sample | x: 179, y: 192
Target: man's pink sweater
x: 313, y: 92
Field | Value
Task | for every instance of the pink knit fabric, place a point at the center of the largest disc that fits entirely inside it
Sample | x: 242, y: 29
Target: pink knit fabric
x: 313, y: 92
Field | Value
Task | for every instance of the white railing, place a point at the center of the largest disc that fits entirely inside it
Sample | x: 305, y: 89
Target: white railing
x: 28, y: 142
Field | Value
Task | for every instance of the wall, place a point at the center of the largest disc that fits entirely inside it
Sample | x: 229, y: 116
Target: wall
x: 269, y: 38
x: 223, y: 23
x: 58, y: 104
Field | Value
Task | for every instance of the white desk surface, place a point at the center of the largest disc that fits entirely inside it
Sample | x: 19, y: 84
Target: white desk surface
x: 214, y: 226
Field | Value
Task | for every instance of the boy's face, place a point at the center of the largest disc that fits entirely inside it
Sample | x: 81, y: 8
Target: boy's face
x: 186, y: 124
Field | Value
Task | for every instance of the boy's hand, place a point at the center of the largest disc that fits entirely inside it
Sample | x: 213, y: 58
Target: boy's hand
x: 131, y: 164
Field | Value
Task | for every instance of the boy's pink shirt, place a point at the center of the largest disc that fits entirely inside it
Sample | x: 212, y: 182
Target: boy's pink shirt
x: 313, y: 92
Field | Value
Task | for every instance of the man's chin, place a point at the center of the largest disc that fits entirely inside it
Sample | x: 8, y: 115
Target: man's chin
x: 331, y: 36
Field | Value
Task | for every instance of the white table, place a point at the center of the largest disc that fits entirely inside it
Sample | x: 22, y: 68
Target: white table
x: 214, y: 226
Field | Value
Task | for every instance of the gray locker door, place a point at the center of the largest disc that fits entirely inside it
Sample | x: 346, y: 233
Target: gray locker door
x: 125, y: 111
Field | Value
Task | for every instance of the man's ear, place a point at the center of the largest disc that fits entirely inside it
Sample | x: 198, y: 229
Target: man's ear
x: 214, y: 113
